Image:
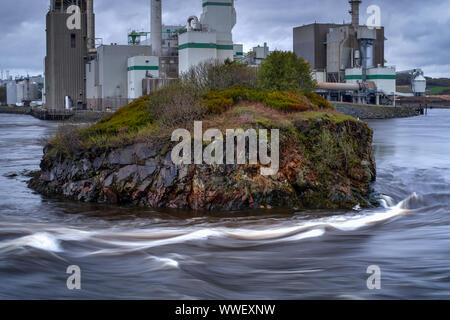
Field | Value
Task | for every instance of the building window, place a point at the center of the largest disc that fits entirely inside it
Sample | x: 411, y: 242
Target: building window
x: 73, y: 40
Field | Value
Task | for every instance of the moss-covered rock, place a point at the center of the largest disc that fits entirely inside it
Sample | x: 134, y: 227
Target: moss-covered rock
x: 326, y: 160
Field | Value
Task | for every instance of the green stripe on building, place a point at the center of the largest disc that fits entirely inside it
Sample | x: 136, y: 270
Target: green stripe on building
x: 214, y: 3
x: 372, y: 77
x: 225, y: 47
x: 143, y: 68
x: 192, y: 45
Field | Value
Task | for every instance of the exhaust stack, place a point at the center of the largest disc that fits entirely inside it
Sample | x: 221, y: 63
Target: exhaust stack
x: 90, y: 26
x: 354, y: 11
x: 156, y: 27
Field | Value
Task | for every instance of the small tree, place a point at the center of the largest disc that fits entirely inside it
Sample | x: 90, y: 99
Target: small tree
x: 284, y: 71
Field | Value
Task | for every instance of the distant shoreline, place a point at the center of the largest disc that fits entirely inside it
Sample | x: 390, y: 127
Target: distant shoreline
x: 78, y: 116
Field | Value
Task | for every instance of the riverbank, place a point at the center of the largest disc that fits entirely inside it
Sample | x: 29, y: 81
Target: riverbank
x: 366, y: 112
x: 15, y: 110
x: 81, y: 116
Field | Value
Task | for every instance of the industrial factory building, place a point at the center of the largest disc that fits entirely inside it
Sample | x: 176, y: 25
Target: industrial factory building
x: 347, y: 53
x: 23, y: 91
x: 347, y: 60
x: 81, y: 76
x: 332, y: 48
x: 210, y: 37
x: 70, y: 41
x: 108, y: 73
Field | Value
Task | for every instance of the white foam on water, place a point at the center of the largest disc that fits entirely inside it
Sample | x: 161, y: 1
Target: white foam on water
x: 122, y: 241
x: 165, y: 263
x: 42, y: 240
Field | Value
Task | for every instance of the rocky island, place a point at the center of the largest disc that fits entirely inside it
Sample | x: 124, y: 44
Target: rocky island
x: 325, y: 157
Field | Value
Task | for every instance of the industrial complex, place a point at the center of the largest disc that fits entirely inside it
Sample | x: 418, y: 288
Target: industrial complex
x: 81, y: 73
x: 348, y: 62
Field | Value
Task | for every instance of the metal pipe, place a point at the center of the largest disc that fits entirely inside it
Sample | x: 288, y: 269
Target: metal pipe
x: 90, y: 25
x: 339, y: 86
x: 156, y: 27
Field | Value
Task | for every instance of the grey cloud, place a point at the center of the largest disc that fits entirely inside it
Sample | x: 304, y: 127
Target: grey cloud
x: 418, y: 32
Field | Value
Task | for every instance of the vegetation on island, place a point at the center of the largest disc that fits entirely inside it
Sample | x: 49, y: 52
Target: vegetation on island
x: 283, y: 83
x: 326, y: 157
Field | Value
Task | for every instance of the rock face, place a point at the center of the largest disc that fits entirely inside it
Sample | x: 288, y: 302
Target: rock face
x: 328, y: 165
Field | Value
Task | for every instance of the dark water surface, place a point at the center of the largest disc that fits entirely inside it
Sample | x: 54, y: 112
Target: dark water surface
x: 135, y: 253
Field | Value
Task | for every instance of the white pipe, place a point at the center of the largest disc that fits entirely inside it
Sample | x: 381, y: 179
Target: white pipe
x: 156, y: 27
x: 189, y: 23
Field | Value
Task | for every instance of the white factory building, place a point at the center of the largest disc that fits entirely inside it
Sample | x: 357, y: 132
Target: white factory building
x: 139, y: 68
x: 108, y: 75
x: 210, y: 37
x: 23, y: 91
x: 383, y: 77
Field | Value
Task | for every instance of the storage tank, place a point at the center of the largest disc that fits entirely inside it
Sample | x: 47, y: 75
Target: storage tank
x: 11, y: 93
x: 419, y: 85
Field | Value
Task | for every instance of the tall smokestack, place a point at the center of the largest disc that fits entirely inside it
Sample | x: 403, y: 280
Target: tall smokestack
x: 90, y: 25
x: 156, y: 25
x: 355, y: 11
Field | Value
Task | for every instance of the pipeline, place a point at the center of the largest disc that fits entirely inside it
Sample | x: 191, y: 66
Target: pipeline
x: 337, y: 86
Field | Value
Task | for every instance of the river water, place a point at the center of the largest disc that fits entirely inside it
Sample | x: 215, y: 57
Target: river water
x: 129, y: 253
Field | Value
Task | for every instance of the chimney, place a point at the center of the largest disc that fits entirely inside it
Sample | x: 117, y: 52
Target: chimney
x: 355, y: 11
x: 90, y: 25
x: 156, y: 27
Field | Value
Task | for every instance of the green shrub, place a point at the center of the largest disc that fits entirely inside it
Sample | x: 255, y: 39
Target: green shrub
x: 284, y: 71
x: 220, y: 101
x: 318, y: 100
x: 130, y: 118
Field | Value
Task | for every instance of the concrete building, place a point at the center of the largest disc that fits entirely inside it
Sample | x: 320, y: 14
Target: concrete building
x: 255, y: 57
x: 333, y: 48
x: 168, y: 64
x: 69, y: 27
x: 238, y: 51
x: 107, y: 75
x: 139, y: 68
x: 210, y: 37
x: 310, y: 44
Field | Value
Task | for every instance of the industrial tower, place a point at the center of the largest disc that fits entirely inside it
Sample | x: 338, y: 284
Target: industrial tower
x: 70, y: 42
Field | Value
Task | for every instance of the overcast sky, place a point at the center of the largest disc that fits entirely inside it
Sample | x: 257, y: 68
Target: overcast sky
x: 418, y: 31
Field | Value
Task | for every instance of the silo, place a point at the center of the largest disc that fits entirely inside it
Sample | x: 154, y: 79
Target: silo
x: 11, y: 92
x: 156, y: 27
